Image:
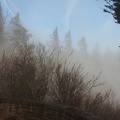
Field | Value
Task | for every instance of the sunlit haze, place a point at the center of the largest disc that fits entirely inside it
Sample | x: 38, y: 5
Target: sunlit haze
x: 98, y: 32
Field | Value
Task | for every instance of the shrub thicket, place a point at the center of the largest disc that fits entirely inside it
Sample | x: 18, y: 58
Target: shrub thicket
x: 33, y: 73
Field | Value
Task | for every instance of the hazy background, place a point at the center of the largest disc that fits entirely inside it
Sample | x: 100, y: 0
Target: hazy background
x: 84, y: 18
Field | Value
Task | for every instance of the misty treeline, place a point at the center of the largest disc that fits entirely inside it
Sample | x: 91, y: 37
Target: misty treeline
x: 54, y: 73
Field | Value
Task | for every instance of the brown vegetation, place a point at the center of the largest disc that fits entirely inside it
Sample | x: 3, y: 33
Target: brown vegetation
x: 33, y: 73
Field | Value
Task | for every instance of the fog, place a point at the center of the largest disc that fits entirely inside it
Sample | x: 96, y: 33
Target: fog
x: 95, y: 63
x: 95, y: 60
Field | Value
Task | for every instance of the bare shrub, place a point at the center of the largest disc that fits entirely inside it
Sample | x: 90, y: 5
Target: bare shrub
x: 24, y: 73
x: 33, y: 73
x: 69, y: 85
x: 110, y: 109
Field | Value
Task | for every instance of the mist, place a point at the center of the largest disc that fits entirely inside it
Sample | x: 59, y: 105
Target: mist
x: 93, y: 59
x: 96, y: 62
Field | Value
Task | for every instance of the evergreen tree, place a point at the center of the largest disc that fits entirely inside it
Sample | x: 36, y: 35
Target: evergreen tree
x: 83, y: 47
x: 96, y: 59
x: 19, y: 33
x: 96, y: 51
x: 113, y: 7
x: 68, y: 42
x: 108, y: 57
x: 55, y: 39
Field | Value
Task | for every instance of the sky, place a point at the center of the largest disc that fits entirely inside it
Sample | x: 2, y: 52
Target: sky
x: 85, y: 18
